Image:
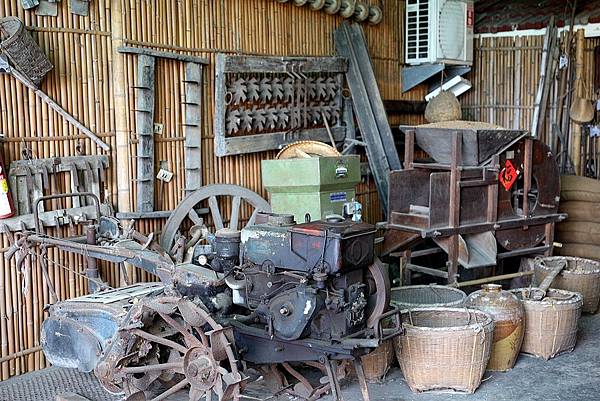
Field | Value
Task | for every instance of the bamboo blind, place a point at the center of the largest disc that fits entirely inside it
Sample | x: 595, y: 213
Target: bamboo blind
x: 81, y: 48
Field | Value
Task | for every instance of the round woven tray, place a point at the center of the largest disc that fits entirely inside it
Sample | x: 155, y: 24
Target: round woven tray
x: 444, y: 348
x: 550, y: 324
x: 580, y: 275
x: 423, y: 296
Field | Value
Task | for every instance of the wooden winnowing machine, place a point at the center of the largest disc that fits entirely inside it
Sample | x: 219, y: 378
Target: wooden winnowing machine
x: 487, y: 195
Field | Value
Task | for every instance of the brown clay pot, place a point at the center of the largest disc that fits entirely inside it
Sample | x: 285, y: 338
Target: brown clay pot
x: 507, y: 311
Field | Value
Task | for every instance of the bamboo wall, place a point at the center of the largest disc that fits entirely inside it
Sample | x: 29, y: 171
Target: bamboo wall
x: 81, y: 48
x: 505, y: 76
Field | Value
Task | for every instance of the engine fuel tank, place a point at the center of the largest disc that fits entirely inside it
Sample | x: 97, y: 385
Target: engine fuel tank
x: 340, y: 245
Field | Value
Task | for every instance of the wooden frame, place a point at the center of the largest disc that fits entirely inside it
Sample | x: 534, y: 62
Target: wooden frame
x: 299, y: 68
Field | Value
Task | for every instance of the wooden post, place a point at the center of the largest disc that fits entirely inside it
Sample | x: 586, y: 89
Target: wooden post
x: 454, y: 209
x: 192, y: 127
x: 492, y: 193
x: 549, y: 238
x: 144, y: 126
x: 579, y: 93
x: 409, y: 149
x: 120, y: 111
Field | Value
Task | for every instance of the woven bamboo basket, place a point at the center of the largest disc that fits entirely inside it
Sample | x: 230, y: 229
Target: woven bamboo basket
x: 378, y: 362
x: 550, y: 324
x: 425, y: 296
x: 25, y: 55
x: 444, y: 348
x: 580, y: 275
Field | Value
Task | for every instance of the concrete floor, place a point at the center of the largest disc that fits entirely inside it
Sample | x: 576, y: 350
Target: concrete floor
x: 569, y: 377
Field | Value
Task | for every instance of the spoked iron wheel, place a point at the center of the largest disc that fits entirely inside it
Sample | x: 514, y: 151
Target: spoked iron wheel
x: 187, y: 210
x: 169, y: 345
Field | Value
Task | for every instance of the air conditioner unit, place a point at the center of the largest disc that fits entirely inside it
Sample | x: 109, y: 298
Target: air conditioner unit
x: 439, y: 31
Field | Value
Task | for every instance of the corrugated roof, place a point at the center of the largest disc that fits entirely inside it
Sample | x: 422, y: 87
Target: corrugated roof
x: 502, y: 15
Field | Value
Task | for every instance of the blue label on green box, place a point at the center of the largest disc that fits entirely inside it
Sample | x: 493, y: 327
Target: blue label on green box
x: 338, y: 197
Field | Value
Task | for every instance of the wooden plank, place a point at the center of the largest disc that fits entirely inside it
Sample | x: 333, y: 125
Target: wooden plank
x: 262, y: 142
x: 142, y: 51
x: 55, y: 218
x: 144, y: 123
x: 60, y: 164
x: 192, y: 127
x: 404, y: 106
x: 366, y: 120
x: 245, y: 64
x: 159, y: 214
x: 359, y: 45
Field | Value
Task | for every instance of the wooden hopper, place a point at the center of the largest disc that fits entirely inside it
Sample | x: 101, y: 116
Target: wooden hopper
x: 478, y: 145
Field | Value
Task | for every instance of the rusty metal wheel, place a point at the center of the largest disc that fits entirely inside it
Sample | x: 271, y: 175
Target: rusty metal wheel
x: 187, y: 209
x: 170, y: 345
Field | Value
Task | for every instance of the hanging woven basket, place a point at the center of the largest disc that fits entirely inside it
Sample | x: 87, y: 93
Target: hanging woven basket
x: 24, y: 54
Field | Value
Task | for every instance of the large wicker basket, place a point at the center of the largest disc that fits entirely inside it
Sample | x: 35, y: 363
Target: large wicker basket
x: 426, y: 296
x: 444, y: 348
x: 550, y: 324
x: 580, y: 275
x: 21, y: 49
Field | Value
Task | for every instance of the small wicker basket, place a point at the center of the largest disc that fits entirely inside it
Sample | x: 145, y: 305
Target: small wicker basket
x: 444, y: 348
x: 425, y: 296
x: 550, y: 324
x: 378, y: 362
x: 579, y: 275
x: 21, y: 49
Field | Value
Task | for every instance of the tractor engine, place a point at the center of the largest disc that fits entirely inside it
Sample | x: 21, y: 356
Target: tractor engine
x: 299, y: 279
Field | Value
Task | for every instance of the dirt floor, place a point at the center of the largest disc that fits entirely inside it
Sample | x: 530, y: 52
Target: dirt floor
x: 569, y: 377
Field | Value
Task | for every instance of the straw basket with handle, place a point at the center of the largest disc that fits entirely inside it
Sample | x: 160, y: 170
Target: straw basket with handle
x: 579, y: 275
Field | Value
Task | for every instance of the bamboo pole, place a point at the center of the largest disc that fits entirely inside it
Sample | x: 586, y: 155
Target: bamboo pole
x: 120, y: 106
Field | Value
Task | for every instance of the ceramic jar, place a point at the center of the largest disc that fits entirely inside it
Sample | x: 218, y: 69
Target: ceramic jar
x: 508, y: 315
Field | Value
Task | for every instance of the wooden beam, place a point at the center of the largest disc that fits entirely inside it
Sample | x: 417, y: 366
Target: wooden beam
x: 58, y: 108
x: 404, y: 106
x: 248, y: 64
x: 161, y: 54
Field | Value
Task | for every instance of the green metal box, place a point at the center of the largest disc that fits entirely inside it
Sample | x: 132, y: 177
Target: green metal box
x: 318, y: 186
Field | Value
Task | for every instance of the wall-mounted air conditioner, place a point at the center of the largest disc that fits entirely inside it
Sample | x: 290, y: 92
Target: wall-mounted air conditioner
x: 439, y: 31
